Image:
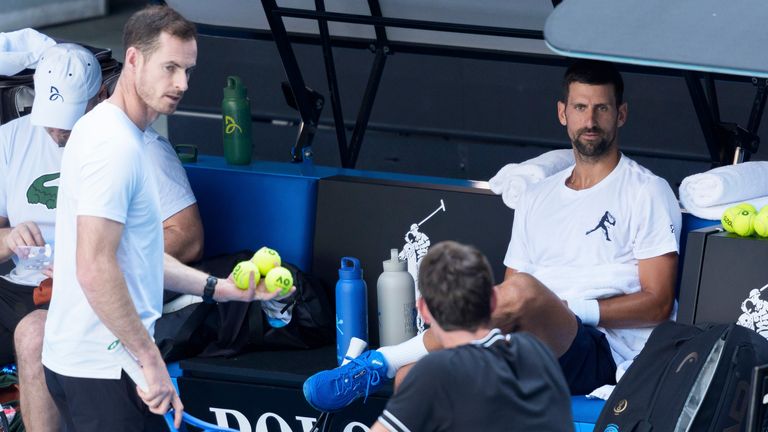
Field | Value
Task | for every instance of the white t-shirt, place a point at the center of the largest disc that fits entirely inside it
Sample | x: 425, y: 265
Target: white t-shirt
x: 29, y: 181
x: 586, y: 244
x: 105, y: 172
x: 30, y: 162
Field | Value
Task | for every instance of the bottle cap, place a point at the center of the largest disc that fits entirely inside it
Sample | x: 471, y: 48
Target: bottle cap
x: 350, y: 268
x: 234, y: 88
x: 394, y: 264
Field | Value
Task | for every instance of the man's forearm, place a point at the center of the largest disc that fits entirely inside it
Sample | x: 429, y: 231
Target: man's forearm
x: 5, y: 251
x: 181, y: 278
x: 104, y: 286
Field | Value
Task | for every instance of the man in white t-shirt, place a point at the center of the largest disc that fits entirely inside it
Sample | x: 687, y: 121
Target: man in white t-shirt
x: 30, y: 154
x: 110, y: 268
x: 591, y: 265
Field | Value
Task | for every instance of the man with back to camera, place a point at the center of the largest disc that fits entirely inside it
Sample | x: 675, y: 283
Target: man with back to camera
x: 591, y: 263
x: 110, y: 268
x: 482, y: 380
x: 31, y: 149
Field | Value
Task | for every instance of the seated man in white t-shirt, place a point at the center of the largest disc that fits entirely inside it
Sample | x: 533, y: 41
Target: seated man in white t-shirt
x: 592, y: 262
x: 30, y: 158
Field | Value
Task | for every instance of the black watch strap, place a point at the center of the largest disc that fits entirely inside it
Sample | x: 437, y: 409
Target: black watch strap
x: 210, y: 288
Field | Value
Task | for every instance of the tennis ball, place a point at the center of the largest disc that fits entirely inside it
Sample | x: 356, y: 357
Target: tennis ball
x: 760, y: 223
x: 279, y: 278
x: 747, y: 206
x: 242, y: 272
x: 728, y: 217
x: 266, y: 259
x: 742, y: 223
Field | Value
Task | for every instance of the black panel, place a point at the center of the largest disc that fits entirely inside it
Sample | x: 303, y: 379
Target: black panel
x: 733, y: 283
x: 366, y: 218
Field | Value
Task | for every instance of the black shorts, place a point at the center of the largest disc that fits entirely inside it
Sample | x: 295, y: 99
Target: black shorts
x: 98, y: 405
x: 588, y: 363
x: 15, y: 303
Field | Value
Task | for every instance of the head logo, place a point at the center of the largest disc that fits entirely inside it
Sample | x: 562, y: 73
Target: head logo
x: 620, y: 407
x: 754, y: 310
x: 230, y: 125
x: 606, y: 220
x: 55, y: 95
x: 690, y: 358
x: 611, y: 428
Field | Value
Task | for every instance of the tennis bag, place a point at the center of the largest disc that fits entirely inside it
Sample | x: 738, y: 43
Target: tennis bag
x: 687, y: 378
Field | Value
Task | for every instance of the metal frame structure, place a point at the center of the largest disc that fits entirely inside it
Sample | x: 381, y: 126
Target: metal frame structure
x: 726, y: 142
x: 310, y: 104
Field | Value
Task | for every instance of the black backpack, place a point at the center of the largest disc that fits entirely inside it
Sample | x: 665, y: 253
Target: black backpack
x: 687, y: 378
x: 228, y: 329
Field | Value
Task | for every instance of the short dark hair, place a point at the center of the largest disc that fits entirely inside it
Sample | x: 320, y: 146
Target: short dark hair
x: 456, y: 282
x: 143, y: 28
x: 594, y: 72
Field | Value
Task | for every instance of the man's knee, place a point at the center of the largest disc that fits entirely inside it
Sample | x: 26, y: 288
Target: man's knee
x: 520, y: 293
x: 28, y: 336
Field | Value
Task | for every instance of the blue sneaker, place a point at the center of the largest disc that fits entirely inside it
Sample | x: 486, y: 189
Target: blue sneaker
x: 335, y: 389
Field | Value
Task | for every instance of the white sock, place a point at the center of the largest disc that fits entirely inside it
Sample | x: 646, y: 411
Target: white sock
x: 403, y: 353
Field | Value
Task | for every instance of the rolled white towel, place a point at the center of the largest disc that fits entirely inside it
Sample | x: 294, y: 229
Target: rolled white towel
x: 513, y: 179
x: 22, y: 49
x: 716, y: 212
x: 724, y: 185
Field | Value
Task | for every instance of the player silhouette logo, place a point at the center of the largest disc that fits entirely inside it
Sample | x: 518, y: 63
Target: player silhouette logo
x: 606, y: 220
x: 415, y: 248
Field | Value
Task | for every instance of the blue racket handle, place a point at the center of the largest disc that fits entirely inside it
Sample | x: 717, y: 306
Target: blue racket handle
x: 194, y: 421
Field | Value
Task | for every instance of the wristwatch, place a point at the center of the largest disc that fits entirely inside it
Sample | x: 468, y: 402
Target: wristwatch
x: 210, y: 288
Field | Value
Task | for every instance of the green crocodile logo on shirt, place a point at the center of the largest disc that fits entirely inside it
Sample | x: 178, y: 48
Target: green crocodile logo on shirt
x: 39, y: 193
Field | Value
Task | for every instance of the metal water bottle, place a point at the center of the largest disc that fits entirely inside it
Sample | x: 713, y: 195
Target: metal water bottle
x: 351, y: 306
x: 236, y: 124
x: 397, y: 302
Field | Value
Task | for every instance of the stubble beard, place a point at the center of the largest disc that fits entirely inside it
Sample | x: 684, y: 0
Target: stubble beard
x: 592, y: 151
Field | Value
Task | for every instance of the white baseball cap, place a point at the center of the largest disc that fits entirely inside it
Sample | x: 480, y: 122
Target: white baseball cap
x: 66, y: 78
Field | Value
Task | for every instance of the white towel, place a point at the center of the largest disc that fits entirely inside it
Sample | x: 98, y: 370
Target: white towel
x: 716, y: 212
x: 513, y: 179
x: 22, y: 49
x: 726, y: 184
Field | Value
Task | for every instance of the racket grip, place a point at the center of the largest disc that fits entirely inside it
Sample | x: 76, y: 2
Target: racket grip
x: 129, y: 364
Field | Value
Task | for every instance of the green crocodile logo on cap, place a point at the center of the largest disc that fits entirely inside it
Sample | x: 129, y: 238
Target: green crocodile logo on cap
x: 39, y: 193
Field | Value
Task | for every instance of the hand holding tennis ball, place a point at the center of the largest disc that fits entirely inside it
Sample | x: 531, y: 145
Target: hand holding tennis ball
x: 279, y: 279
x: 266, y: 259
x: 242, y: 273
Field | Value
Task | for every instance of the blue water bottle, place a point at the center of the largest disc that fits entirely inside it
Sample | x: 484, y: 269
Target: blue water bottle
x: 351, y: 306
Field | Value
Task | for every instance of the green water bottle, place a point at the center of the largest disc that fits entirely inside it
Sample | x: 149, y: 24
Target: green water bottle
x: 236, y: 122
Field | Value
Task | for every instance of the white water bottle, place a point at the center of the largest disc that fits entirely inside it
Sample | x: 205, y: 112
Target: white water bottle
x: 397, y: 303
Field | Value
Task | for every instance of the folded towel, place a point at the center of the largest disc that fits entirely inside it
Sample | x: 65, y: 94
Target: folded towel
x: 716, y: 212
x: 726, y: 184
x: 513, y: 179
x: 21, y: 49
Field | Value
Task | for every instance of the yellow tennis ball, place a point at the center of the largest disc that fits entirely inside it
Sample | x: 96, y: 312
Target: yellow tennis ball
x: 742, y: 223
x: 760, y: 223
x: 729, y: 215
x: 242, y: 273
x: 279, y: 278
x: 747, y: 206
x: 266, y: 259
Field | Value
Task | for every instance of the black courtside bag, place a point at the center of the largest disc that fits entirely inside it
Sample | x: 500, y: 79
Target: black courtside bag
x: 227, y: 329
x: 687, y: 378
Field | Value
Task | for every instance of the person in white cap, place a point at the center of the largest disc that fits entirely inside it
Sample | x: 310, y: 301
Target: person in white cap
x: 69, y: 83
x: 110, y: 268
